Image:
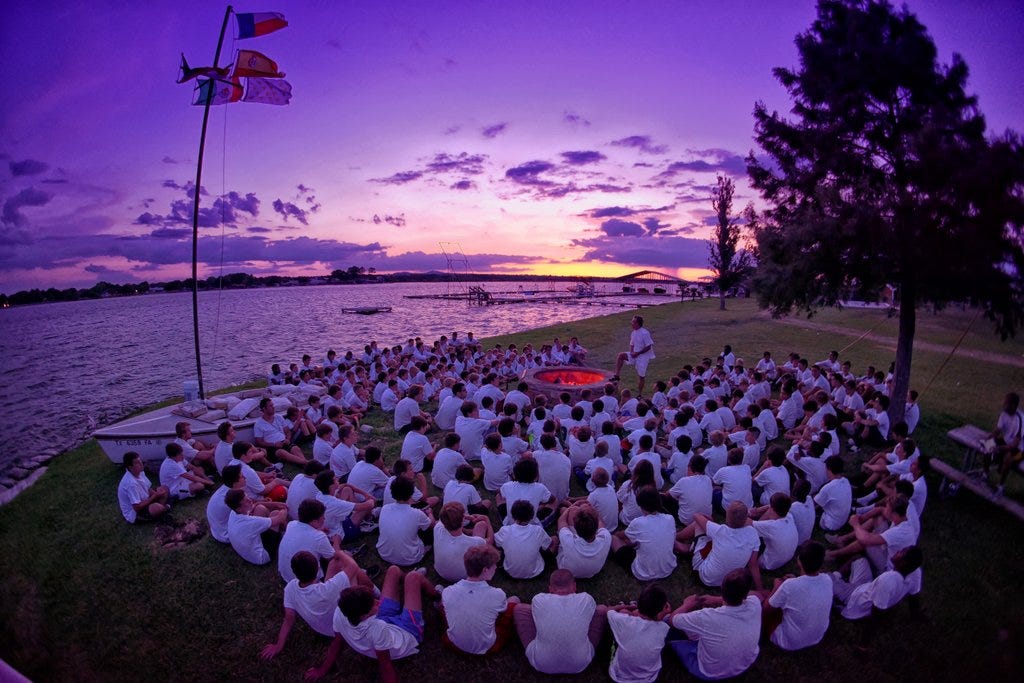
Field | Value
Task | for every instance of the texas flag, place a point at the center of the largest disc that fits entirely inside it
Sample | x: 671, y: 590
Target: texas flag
x: 259, y: 24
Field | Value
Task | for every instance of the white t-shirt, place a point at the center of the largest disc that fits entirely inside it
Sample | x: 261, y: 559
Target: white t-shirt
x: 522, y: 544
x: 222, y: 455
x: 640, y: 642
x: 368, y: 477
x: 322, y: 450
x: 417, y: 495
x: 336, y: 511
x: 172, y: 475
x: 534, y: 493
x: 461, y: 492
x: 716, y: 457
x: 317, y: 602
x: 244, y: 534
x: 471, y: 608
x: 132, y: 490
x: 583, y: 559
x: 271, y: 432
x: 372, y: 635
x: 445, y: 463
x: 562, y: 621
x: 450, y: 552
x: 447, y: 412
x: 677, y: 464
x: 497, y: 468
x: 406, y: 409
x: 218, y: 514
x: 655, y: 460
x: 726, y: 636
x: 627, y: 497
x: 781, y: 538
x: 772, y: 480
x: 805, y: 602
x: 694, y: 494
x: 883, y: 593
x: 302, y: 488
x: 731, y: 550
x: 555, y: 470
x: 835, y: 499
x: 342, y: 459
x: 472, y: 430
x: 654, y: 536
x: 607, y: 505
x: 298, y: 537
x: 399, y: 543
x: 735, y: 481
x: 803, y: 517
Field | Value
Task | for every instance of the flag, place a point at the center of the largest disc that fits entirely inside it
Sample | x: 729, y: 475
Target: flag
x: 252, y: 63
x: 217, y: 91
x: 259, y: 24
x: 267, y: 91
x: 190, y: 72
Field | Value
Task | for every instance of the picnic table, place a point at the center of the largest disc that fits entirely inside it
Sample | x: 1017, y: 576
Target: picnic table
x: 971, y: 474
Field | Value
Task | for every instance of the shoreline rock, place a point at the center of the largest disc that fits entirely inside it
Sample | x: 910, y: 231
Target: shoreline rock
x: 9, y: 494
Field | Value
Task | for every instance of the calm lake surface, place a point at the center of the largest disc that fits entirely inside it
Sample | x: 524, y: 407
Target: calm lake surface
x: 68, y: 368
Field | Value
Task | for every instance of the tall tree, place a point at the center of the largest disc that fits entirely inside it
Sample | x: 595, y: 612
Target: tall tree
x: 884, y: 175
x: 729, y: 263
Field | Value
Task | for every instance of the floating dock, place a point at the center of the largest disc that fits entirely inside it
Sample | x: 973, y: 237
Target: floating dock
x: 366, y: 310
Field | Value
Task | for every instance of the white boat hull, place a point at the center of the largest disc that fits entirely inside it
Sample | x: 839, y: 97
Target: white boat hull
x: 149, y: 433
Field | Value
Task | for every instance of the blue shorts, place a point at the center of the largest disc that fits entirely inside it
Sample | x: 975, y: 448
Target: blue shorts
x: 391, y: 612
x: 686, y: 650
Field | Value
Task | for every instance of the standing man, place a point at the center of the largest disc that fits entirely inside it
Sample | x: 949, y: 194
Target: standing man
x: 640, y: 354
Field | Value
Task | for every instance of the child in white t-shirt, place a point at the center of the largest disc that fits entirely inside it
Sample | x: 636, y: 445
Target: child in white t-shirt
x: 523, y: 543
x: 452, y: 540
x: 400, y: 523
x: 639, y: 632
x: 497, y: 463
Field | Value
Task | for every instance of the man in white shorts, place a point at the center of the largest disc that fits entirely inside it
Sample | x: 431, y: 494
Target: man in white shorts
x: 640, y: 354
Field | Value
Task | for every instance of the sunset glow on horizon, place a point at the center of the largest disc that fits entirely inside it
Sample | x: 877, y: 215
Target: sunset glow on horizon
x: 573, y: 138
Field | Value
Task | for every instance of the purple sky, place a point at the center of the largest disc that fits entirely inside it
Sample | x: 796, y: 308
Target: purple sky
x: 550, y: 137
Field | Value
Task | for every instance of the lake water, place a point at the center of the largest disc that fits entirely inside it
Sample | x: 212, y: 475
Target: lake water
x: 68, y: 368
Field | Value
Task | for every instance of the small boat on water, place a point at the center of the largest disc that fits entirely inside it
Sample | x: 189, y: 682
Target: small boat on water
x: 366, y: 310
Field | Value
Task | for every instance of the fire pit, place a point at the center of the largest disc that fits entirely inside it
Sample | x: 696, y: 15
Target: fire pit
x: 554, y: 380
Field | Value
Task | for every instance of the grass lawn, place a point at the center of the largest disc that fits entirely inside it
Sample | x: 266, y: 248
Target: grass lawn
x: 87, y: 597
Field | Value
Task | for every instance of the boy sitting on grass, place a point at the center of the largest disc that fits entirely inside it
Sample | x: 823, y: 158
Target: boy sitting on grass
x: 384, y: 629
x: 639, y: 634
x: 313, y: 599
x: 451, y: 540
x: 254, y: 532
x: 478, y: 617
x: 523, y: 542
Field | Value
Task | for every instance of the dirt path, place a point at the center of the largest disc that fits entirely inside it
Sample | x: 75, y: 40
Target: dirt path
x: 890, y: 342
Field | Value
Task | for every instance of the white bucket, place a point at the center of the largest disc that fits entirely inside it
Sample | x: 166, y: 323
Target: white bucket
x: 191, y: 390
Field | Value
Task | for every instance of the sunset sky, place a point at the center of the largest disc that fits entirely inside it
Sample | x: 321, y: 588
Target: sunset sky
x: 540, y: 137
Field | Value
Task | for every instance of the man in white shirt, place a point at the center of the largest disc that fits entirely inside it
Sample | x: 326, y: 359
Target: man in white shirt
x: 408, y: 408
x: 723, y: 632
x: 399, y: 542
x: 472, y: 428
x: 694, y: 491
x: 448, y: 409
x: 720, y: 548
x: 305, y: 534
x: 861, y: 597
x: 139, y: 501
x: 836, y: 497
x: 646, y: 545
x: 479, y: 617
x: 271, y: 432
x: 560, y: 629
x: 796, y: 613
x: 640, y: 354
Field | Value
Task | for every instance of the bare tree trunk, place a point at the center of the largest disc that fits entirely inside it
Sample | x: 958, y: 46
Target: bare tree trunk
x: 904, y: 352
x: 721, y: 299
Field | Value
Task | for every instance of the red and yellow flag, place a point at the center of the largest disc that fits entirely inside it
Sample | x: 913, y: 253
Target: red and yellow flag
x: 255, y: 64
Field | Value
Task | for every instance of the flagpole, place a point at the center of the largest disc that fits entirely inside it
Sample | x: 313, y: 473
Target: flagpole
x: 195, y: 210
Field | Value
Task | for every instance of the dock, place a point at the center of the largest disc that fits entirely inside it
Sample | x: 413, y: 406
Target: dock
x: 481, y: 297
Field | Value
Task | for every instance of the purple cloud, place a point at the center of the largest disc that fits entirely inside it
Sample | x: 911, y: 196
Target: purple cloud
x: 580, y: 158
x: 527, y: 174
x: 171, y: 233
x: 574, y: 119
x: 493, y: 131
x: 400, y: 178
x: 463, y: 163
x: 610, y: 211
x: 463, y: 185
x: 28, y: 167
x: 397, y: 221
x: 643, y: 143
x: 616, y: 227
x: 659, y: 252
x: 94, y: 268
x: 30, y: 196
x: 287, y: 209
x: 169, y: 160
x: 708, y: 161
